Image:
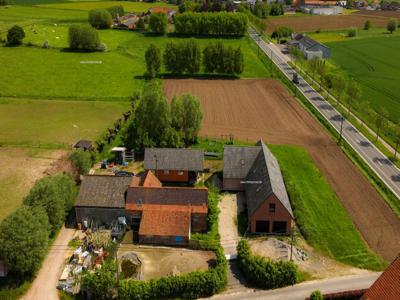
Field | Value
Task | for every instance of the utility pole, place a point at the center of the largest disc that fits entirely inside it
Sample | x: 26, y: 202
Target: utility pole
x: 341, y: 129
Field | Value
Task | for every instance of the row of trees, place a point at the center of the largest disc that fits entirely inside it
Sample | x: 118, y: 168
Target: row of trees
x: 24, y: 235
x: 187, y: 58
x: 206, y: 6
x: 222, y: 23
x: 155, y: 123
x: 263, y: 10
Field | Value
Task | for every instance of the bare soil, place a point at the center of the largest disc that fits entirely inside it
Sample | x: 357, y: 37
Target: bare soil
x: 313, y: 23
x: 254, y: 109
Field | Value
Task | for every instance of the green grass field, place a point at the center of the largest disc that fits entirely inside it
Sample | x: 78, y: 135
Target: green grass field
x: 375, y: 64
x: 319, y: 213
x: 341, y: 35
x: 49, y: 123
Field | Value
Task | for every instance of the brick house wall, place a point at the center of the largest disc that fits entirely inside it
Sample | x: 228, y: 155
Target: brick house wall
x: 198, y: 222
x: 231, y: 184
x: 164, y: 240
x: 264, y: 214
x: 172, y: 176
x: 103, y: 215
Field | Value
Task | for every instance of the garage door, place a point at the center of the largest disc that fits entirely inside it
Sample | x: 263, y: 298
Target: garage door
x: 279, y: 227
x: 262, y: 226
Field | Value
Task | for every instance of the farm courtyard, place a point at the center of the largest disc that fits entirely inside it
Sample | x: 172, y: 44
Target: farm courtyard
x: 250, y: 109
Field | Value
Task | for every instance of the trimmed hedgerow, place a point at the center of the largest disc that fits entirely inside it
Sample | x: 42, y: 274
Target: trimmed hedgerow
x: 264, y: 273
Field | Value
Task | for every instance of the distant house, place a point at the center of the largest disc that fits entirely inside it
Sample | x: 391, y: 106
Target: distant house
x: 165, y: 215
x: 170, y: 13
x: 101, y: 199
x: 309, y: 47
x: 84, y: 144
x: 322, y: 10
x: 160, y: 215
x: 387, y: 286
x: 255, y: 171
x: 174, y: 165
x: 128, y: 21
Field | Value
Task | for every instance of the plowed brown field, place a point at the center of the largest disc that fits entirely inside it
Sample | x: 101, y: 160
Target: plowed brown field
x: 254, y: 109
x: 313, y: 23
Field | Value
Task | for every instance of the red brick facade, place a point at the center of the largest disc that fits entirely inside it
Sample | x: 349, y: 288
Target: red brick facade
x: 266, y: 214
x: 172, y: 176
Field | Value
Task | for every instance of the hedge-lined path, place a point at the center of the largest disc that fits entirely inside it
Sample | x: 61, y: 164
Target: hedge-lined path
x: 44, y: 285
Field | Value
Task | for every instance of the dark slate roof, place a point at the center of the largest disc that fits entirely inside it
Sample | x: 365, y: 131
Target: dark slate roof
x: 266, y: 170
x: 83, y: 144
x: 309, y: 43
x: 103, y: 191
x: 238, y: 160
x: 173, y: 159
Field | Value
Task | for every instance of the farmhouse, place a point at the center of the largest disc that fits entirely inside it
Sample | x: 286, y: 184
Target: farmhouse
x: 255, y: 171
x: 174, y: 165
x: 160, y: 215
x: 309, y: 47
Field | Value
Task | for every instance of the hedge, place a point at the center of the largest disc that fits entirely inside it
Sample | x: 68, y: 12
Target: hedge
x: 264, y: 273
x: 222, y: 23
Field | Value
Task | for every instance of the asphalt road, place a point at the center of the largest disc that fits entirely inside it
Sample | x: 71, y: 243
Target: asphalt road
x: 376, y: 160
x: 303, y: 290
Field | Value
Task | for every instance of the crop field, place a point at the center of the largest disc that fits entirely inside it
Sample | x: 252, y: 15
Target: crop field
x: 314, y: 23
x: 51, y: 124
x: 254, y: 109
x: 320, y: 215
x: 375, y: 64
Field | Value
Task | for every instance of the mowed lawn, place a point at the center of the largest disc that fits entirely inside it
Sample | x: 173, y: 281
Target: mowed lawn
x: 54, y: 124
x: 375, y: 64
x: 319, y: 213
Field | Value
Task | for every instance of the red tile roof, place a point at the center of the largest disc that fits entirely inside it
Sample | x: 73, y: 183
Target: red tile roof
x: 164, y: 222
x: 163, y: 10
x: 146, y: 180
x: 387, y: 286
x: 199, y: 209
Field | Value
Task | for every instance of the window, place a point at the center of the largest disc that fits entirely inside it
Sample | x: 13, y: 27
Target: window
x: 272, y: 207
x: 166, y: 172
x: 180, y: 173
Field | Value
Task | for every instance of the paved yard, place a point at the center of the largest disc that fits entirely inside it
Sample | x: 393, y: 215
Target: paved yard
x: 163, y: 261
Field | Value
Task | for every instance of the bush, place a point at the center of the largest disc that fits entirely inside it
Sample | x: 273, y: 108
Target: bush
x: 352, y: 33
x: 316, y: 295
x: 100, y: 18
x: 281, y: 32
x: 82, y: 161
x: 56, y: 195
x: 23, y: 240
x: 140, y: 24
x: 15, y: 35
x: 83, y: 37
x: 392, y: 25
x: 221, y: 23
x: 116, y: 11
x: 367, y: 25
x: 158, y: 23
x: 264, y: 273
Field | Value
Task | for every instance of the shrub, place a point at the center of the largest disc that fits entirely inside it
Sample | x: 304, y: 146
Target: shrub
x: 140, y: 24
x: 316, y: 295
x: 82, y: 161
x: 367, y: 25
x: 15, y: 35
x: 221, y: 23
x: 392, y: 25
x: 83, y: 37
x: 116, y: 11
x: 352, y: 33
x: 264, y: 273
x: 56, y: 195
x: 158, y: 23
x: 100, y: 18
x: 23, y: 240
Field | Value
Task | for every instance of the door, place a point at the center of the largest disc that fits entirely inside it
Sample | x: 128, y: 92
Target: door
x: 279, y: 227
x: 262, y: 226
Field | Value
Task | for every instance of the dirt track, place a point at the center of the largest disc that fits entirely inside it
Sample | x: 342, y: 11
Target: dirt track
x: 313, y: 23
x: 254, y: 109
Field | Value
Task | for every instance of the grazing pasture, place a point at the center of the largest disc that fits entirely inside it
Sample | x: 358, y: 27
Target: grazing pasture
x: 375, y: 64
x: 47, y: 123
x: 323, y: 23
x: 254, y: 109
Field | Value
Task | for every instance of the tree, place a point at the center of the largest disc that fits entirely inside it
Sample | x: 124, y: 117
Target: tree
x: 100, y: 18
x: 316, y: 295
x: 82, y: 161
x: 192, y: 54
x: 23, y: 240
x: 353, y: 94
x: 55, y: 194
x: 153, y: 60
x: 172, y: 59
x: 281, y: 32
x: 158, y: 23
x: 116, y: 11
x: 367, y: 25
x: 296, y: 54
x: 396, y: 136
x: 103, y: 281
x: 238, y: 61
x: 186, y: 117
x: 3, y: 2
x: 391, y: 25
x: 83, y: 37
x: 381, y: 120
x: 15, y: 35
x: 328, y: 80
x: 140, y: 24
x: 339, y: 85
x: 365, y: 110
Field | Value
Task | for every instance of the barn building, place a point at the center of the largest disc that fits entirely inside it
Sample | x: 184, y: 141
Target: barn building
x: 174, y: 165
x: 255, y: 171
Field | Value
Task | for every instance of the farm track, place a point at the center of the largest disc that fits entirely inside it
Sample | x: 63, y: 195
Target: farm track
x: 254, y: 109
